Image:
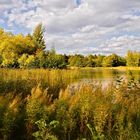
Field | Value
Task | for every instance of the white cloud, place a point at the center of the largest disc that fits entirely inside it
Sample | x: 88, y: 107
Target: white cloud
x: 119, y: 44
x: 91, y: 27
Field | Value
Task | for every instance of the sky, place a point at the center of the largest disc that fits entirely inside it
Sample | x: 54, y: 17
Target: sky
x: 77, y: 26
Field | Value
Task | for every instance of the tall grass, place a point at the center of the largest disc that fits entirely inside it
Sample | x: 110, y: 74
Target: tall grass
x: 43, y: 104
x: 22, y: 81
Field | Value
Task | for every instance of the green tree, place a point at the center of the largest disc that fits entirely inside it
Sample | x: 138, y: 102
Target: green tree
x: 54, y: 60
x: 113, y: 60
x: 40, y: 59
x: 89, y: 61
x: 38, y: 37
x: 77, y: 61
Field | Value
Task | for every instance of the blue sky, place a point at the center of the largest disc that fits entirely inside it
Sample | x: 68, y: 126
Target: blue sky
x: 77, y: 26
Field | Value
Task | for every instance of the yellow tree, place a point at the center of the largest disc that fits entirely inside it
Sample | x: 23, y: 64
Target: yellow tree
x: 8, y: 53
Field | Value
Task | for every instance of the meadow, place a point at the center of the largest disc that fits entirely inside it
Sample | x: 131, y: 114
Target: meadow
x: 70, y: 104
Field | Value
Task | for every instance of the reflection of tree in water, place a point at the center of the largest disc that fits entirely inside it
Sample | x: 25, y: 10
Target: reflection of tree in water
x: 106, y: 75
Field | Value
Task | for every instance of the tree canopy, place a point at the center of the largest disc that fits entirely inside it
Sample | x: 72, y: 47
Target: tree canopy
x: 29, y: 51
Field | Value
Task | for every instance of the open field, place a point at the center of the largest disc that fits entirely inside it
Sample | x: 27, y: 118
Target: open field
x: 69, y: 105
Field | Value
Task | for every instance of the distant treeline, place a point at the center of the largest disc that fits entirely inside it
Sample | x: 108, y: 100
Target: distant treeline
x: 19, y: 51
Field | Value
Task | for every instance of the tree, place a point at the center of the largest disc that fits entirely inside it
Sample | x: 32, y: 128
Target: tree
x: 99, y: 60
x: 89, y: 61
x: 4, y: 35
x: 40, y: 59
x: 77, y: 61
x: 23, y: 44
x: 22, y: 61
x: 133, y: 58
x: 54, y: 60
x: 0, y: 59
x: 27, y: 61
x: 1, y: 31
x: 8, y: 54
x: 107, y: 62
x: 31, y: 61
x: 38, y: 37
x: 113, y: 60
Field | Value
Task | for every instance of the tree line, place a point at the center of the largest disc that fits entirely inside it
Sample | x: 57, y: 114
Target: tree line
x: 29, y: 51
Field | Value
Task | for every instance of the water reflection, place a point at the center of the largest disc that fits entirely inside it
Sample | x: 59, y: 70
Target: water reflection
x: 101, y: 75
x: 104, y: 77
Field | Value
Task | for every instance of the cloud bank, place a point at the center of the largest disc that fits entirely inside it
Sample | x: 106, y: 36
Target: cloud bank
x: 78, y: 26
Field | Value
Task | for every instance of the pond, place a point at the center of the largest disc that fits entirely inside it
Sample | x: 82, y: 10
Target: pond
x: 108, y: 74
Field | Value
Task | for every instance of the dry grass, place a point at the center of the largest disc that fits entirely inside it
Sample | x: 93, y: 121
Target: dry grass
x: 28, y: 96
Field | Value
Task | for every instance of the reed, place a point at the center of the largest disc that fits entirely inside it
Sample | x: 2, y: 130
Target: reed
x: 65, y: 109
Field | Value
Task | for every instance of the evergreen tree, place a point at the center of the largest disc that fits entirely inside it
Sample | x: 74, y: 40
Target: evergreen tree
x: 38, y: 37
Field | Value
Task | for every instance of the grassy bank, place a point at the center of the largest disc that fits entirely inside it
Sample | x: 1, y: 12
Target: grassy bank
x: 115, y: 68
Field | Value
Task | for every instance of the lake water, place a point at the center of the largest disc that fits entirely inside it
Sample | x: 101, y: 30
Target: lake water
x: 107, y: 75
